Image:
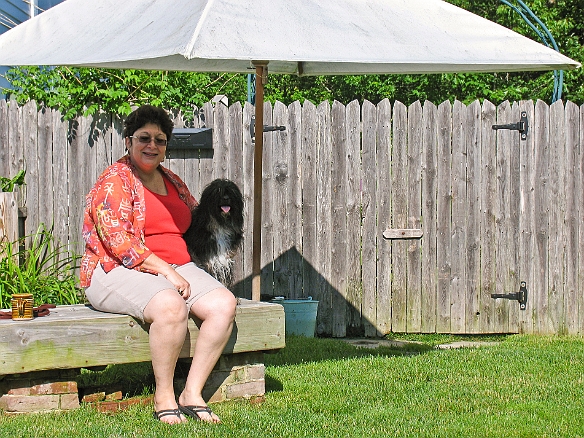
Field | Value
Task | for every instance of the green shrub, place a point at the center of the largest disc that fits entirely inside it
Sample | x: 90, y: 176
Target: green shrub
x: 45, y: 270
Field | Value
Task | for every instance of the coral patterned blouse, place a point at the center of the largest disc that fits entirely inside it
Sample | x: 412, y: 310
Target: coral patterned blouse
x: 114, y: 219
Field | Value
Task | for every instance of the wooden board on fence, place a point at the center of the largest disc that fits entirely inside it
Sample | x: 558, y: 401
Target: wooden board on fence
x: 8, y: 217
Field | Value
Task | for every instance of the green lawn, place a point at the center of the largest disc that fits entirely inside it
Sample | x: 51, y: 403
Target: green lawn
x: 523, y: 387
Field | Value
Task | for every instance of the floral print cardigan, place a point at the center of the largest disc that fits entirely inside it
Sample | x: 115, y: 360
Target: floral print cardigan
x: 114, y: 219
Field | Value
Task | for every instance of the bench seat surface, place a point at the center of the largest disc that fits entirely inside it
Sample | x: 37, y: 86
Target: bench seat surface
x: 78, y: 336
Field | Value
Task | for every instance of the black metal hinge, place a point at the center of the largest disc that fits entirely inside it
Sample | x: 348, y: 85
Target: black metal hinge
x: 522, y: 126
x: 520, y: 296
x: 267, y: 128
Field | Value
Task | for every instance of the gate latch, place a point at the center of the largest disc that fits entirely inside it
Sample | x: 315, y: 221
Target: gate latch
x: 521, y: 126
x: 520, y: 296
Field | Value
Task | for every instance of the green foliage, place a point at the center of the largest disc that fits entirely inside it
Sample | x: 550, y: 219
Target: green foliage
x: 7, y: 184
x: 45, y: 270
x: 77, y: 91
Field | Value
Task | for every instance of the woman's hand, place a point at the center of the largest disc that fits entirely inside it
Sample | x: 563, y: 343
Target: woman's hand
x: 182, y: 286
x: 156, y: 264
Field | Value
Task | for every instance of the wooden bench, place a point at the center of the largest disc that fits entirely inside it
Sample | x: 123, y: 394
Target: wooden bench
x: 39, y: 359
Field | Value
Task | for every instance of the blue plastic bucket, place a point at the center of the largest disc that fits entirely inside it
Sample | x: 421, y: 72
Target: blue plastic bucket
x: 300, y: 316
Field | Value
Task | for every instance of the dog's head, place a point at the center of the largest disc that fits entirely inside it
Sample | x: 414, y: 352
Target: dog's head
x: 224, y: 200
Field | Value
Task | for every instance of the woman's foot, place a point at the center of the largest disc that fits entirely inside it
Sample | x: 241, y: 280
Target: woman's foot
x: 167, y: 413
x: 196, y: 408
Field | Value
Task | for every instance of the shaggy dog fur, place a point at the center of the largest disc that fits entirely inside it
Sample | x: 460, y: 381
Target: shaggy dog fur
x: 216, y: 229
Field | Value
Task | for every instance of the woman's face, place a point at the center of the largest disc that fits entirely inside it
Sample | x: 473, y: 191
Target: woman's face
x: 144, y: 151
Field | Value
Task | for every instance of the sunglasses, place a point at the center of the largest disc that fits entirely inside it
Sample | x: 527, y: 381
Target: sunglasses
x: 146, y: 139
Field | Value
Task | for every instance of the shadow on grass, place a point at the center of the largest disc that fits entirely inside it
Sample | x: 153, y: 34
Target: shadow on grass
x: 300, y: 350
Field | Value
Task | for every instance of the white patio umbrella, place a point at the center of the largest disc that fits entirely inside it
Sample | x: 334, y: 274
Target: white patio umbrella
x: 304, y: 37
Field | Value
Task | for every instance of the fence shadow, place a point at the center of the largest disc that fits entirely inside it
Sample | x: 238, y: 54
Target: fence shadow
x: 292, y: 276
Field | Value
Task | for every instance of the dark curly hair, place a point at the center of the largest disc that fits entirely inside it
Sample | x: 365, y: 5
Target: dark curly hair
x: 148, y: 114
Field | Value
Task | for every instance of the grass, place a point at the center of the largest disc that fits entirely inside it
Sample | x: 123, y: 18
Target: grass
x: 525, y: 386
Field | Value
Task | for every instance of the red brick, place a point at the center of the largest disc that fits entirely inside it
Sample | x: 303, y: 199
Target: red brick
x: 108, y: 407
x: 114, y: 396
x: 245, y: 390
x: 69, y: 401
x: 95, y: 397
x: 54, y: 388
x: 19, y: 391
x: 256, y: 372
x: 29, y: 403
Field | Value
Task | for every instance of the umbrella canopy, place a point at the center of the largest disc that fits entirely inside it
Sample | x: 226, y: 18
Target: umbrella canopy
x: 304, y: 37
x: 307, y: 37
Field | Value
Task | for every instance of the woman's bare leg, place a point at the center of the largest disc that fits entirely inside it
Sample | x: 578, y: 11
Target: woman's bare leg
x: 216, y: 310
x: 168, y: 318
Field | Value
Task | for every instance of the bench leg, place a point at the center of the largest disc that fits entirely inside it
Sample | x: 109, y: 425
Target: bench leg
x: 236, y: 376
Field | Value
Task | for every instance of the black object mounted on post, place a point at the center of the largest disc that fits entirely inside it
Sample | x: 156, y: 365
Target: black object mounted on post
x: 267, y: 128
x: 191, y: 138
x: 520, y: 296
x: 522, y: 126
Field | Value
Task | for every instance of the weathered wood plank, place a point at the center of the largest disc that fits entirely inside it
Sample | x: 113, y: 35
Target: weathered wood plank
x: 572, y: 218
x: 526, y: 245
x: 4, y: 140
x: 487, y: 217
x: 63, y: 232
x: 369, y: 248
x: 541, y: 205
x: 557, y: 237
x: 429, y: 193
x: 459, y: 215
x: 512, y: 279
x: 45, y: 166
x: 473, y: 185
x: 235, y: 172
x: 383, y: 203
x: 402, y: 233
x: 324, y: 219
x: 506, y: 141
x: 353, y: 205
x: 414, y: 214
x: 78, y: 336
x: 580, y: 189
x: 8, y: 218
x: 31, y: 163
x: 247, y: 190
x: 281, y: 189
x: 444, y: 217
x: 16, y: 148
x: 268, y: 207
x: 294, y: 201
x: 399, y: 219
x: 338, y: 278
x: 309, y: 199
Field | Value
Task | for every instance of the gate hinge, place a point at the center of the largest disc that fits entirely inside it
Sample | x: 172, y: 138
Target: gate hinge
x: 522, y: 126
x: 267, y: 128
x: 520, y: 296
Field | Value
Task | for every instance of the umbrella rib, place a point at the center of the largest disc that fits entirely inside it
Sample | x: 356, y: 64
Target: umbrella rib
x: 190, y: 46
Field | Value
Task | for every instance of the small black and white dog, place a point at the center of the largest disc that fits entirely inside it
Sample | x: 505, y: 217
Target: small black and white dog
x: 216, y: 229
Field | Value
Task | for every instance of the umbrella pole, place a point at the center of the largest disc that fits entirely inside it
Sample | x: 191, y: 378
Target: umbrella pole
x: 261, y: 78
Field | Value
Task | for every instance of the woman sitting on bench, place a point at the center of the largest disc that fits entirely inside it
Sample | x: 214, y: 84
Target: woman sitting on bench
x: 136, y: 263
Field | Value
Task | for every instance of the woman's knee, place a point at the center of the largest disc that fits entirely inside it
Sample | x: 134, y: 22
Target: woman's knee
x: 218, y: 302
x: 167, y: 306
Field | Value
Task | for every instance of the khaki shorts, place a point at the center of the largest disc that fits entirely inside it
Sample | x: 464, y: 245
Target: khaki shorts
x: 128, y: 291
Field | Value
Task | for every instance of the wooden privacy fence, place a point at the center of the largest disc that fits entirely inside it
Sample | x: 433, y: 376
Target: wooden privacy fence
x: 493, y: 210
